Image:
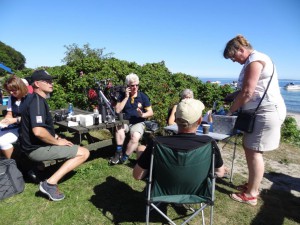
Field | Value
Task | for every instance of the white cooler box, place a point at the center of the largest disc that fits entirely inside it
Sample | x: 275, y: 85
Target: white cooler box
x: 86, y: 120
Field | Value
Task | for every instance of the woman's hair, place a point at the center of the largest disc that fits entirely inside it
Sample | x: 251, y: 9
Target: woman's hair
x: 187, y: 93
x: 235, y: 44
x: 131, y: 78
x: 15, y: 83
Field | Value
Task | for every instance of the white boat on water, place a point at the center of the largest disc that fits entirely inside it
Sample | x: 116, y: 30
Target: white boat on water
x: 214, y: 82
x: 292, y: 86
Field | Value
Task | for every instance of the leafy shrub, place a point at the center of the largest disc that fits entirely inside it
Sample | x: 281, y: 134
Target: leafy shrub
x: 290, y: 132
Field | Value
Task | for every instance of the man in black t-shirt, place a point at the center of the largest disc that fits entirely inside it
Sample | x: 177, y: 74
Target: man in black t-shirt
x: 188, y: 118
x: 38, y: 138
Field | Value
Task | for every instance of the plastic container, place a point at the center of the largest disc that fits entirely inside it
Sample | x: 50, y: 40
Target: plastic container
x: 223, y: 124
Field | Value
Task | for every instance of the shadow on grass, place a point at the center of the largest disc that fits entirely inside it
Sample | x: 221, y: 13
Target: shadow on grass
x: 104, y: 153
x: 120, y: 203
x: 278, y: 203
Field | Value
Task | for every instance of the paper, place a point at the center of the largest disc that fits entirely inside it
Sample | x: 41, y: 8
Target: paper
x: 3, y: 125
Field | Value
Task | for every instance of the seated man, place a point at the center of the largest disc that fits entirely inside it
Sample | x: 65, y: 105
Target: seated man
x: 188, y: 118
x: 39, y: 141
x: 137, y: 108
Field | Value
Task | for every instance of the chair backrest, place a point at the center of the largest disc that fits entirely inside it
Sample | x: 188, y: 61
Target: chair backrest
x: 182, y: 176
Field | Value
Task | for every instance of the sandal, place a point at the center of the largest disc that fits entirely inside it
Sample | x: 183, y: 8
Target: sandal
x: 242, y: 187
x: 241, y: 197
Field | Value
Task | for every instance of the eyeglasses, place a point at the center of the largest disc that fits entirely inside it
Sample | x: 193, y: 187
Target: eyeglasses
x: 47, y: 81
x: 134, y: 85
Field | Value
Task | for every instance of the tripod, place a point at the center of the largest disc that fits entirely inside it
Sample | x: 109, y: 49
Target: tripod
x: 105, y: 107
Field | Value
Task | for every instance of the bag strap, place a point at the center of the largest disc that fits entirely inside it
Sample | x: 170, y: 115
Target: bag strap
x: 265, y: 90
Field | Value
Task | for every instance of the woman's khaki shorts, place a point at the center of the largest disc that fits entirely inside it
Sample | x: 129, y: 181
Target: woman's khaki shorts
x: 267, y: 129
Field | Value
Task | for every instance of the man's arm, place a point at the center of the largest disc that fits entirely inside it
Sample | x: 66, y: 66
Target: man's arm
x: 143, y: 164
x: 120, y: 105
x: 220, y: 172
x: 219, y: 164
x: 138, y: 172
x: 45, y: 136
x: 147, y: 114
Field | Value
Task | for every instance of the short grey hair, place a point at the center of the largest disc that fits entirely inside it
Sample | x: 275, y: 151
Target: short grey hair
x: 132, y: 77
x: 187, y: 93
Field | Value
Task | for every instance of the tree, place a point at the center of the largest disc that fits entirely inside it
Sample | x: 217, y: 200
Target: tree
x: 11, y: 58
x: 76, y: 55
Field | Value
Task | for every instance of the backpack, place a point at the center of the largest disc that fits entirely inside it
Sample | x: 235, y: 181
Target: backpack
x: 11, y: 179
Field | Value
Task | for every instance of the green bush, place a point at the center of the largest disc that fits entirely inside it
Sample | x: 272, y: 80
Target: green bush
x: 290, y: 132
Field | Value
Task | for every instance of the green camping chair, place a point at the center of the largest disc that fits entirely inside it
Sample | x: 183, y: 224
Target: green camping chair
x: 182, y: 177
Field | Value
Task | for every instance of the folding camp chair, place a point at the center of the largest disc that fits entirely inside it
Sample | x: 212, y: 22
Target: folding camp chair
x: 182, y: 177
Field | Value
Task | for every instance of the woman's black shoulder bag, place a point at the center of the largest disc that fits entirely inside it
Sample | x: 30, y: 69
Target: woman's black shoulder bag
x: 245, y: 120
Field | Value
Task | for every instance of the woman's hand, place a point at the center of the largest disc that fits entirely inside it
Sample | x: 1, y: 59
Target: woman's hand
x: 7, y: 121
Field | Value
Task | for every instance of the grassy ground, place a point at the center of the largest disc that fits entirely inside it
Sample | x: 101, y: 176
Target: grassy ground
x: 97, y: 193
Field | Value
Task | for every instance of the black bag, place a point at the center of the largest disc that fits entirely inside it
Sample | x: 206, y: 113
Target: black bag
x: 11, y: 179
x: 151, y: 125
x: 245, y: 121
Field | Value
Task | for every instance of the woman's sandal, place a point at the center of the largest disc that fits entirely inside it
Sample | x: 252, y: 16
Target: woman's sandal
x: 241, y: 197
x: 243, y: 188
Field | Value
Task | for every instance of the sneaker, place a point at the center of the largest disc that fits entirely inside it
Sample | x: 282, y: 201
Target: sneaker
x: 123, y: 159
x: 116, y: 159
x: 52, y: 191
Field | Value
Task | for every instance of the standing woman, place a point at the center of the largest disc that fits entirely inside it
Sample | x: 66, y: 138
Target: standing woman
x: 9, y: 134
x: 253, y: 81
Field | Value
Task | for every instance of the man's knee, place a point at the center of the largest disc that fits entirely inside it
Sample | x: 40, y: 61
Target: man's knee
x: 83, y: 152
x: 135, y: 137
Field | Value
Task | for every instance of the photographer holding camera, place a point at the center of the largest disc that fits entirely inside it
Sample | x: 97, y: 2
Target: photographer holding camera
x: 137, y: 108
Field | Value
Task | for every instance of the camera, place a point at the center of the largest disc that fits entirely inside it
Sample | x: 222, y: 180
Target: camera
x: 58, y: 116
x: 116, y: 91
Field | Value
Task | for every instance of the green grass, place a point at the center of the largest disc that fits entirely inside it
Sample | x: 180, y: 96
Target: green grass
x: 97, y: 193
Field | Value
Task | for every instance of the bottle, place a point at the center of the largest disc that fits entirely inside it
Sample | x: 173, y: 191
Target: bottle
x: 96, y: 116
x: 214, y: 108
x: 109, y: 117
x: 70, y: 109
x: 221, y: 111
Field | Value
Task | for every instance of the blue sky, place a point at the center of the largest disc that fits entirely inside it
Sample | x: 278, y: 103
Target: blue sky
x: 189, y: 35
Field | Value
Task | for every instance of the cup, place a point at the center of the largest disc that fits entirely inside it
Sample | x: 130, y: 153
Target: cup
x: 205, y: 128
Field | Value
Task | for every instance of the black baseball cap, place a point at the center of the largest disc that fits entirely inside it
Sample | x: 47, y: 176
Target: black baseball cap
x: 40, y: 75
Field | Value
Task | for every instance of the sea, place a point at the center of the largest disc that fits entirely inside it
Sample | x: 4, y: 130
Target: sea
x: 291, y: 98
